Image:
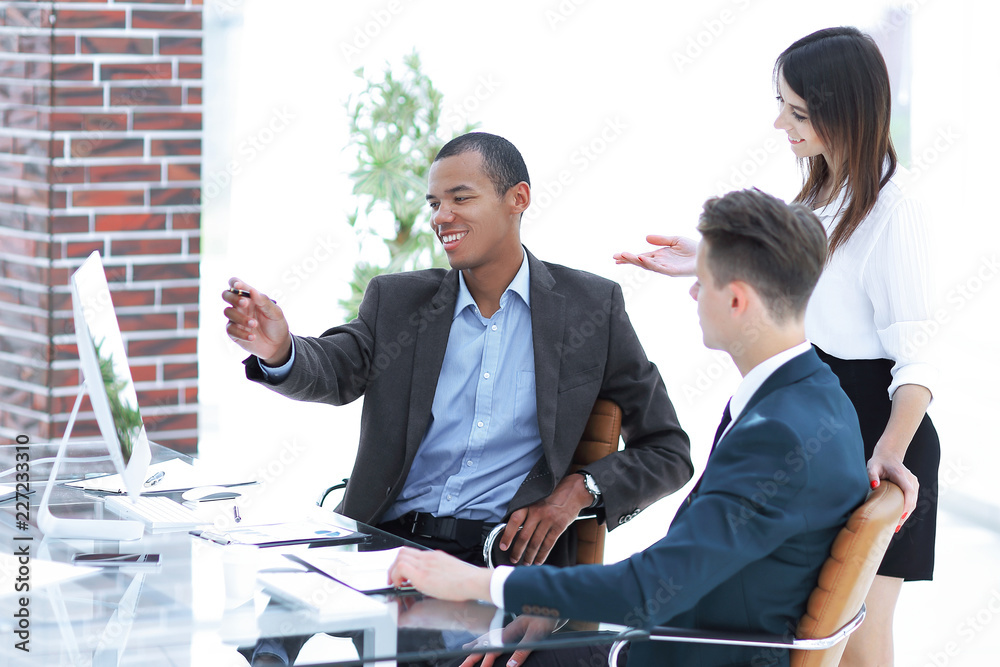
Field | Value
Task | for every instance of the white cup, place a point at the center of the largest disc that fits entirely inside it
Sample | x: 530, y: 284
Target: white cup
x: 239, y: 567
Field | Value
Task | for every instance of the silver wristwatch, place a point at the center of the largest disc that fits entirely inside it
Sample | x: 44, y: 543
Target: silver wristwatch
x: 591, y: 485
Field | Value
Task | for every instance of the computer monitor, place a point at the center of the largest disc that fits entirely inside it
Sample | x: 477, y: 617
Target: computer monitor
x: 108, y: 380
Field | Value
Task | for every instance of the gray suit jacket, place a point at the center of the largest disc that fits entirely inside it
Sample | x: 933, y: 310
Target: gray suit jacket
x: 584, y: 348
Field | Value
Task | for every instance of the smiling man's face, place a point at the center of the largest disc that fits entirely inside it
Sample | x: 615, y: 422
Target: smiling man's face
x: 475, y: 226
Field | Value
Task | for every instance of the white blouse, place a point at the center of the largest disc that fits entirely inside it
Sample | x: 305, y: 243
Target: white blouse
x: 873, y: 300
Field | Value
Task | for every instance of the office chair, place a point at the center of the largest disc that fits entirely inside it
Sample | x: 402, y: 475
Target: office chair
x: 836, y: 606
x: 600, y: 438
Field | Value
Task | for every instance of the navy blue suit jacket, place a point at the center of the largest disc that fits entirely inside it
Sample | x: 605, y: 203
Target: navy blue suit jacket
x: 744, y: 551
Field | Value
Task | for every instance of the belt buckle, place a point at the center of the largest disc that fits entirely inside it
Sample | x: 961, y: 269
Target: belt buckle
x: 414, y: 525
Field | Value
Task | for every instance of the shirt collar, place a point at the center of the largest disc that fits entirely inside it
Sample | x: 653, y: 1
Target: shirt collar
x: 759, y: 374
x: 520, y: 285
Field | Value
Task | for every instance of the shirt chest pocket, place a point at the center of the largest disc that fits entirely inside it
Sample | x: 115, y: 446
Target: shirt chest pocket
x: 525, y: 405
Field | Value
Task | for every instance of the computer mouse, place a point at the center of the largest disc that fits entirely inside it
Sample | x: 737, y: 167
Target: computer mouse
x: 206, y: 493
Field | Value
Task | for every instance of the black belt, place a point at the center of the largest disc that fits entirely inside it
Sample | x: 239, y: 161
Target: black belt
x: 465, y: 531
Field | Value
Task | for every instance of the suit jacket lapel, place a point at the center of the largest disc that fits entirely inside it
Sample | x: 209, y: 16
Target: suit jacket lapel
x: 428, y: 356
x: 547, y: 325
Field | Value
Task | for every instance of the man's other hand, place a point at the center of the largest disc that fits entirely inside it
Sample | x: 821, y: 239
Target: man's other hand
x: 533, y: 530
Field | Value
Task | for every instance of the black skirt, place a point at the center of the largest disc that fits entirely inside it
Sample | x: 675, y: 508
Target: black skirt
x: 865, y: 381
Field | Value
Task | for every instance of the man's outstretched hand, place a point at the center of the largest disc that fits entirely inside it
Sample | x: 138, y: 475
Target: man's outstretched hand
x: 675, y: 256
x: 257, y: 324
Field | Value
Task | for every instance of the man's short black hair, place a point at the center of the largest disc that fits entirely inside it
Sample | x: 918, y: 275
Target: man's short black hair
x: 776, y: 248
x: 502, y: 162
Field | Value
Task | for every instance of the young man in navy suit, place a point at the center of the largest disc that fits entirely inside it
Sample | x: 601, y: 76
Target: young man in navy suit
x: 786, y: 469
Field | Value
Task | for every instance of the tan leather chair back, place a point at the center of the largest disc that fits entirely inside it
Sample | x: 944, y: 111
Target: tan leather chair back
x: 848, y: 573
x: 600, y: 438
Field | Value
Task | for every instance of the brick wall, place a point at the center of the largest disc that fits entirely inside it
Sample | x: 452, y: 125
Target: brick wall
x: 100, y: 149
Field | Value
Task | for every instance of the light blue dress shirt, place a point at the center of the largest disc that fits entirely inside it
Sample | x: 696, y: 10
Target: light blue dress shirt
x: 483, y: 437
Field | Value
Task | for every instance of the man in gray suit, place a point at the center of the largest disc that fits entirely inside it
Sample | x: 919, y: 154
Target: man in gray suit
x: 478, y: 381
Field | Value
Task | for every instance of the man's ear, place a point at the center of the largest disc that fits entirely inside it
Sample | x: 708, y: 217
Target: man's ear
x: 520, y: 198
x: 741, y: 295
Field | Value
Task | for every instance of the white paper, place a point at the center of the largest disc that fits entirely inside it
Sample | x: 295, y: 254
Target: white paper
x: 364, y: 571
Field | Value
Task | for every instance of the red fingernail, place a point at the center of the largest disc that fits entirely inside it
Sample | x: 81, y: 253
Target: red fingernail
x: 874, y: 483
x: 903, y: 518
x: 897, y: 528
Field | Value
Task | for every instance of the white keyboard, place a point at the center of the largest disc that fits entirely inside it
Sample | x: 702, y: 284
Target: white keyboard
x: 156, y: 512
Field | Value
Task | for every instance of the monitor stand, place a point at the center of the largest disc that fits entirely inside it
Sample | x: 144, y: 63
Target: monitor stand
x: 89, y: 529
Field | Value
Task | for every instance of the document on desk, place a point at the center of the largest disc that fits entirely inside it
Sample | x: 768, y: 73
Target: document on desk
x: 364, y: 571
x: 309, y: 531
x: 314, y: 591
x: 178, y: 475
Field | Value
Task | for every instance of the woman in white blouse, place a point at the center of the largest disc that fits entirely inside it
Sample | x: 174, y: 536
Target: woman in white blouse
x: 868, y: 314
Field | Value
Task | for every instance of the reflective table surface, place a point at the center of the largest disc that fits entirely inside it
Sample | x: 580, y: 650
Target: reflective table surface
x: 211, y: 604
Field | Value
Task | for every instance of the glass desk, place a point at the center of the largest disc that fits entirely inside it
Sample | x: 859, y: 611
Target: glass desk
x: 179, y: 613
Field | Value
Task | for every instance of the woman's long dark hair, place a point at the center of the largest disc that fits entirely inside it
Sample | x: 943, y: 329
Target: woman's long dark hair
x: 842, y: 76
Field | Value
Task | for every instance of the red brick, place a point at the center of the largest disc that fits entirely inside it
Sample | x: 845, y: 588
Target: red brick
x: 25, y: 17
x: 174, y: 422
x: 123, y: 173
x: 133, y: 45
x: 123, y: 71
x: 189, y: 70
x: 193, y: 95
x: 145, y: 247
x: 74, y: 72
x: 132, y: 298
x: 35, y: 197
x: 89, y: 18
x: 165, y: 271
x: 174, y: 196
x: 191, y: 395
x: 180, y: 295
x: 155, y: 398
x: 65, y: 45
x: 39, y: 147
x: 78, y: 96
x: 96, y: 198
x: 13, y: 171
x: 83, y: 248
x: 169, y: 20
x: 81, y: 148
x: 32, y: 44
x: 184, y: 171
x: 152, y: 96
x: 26, y: 119
x: 166, y: 120
x: 180, y: 371
x: 131, y: 222
x: 191, y: 320
x: 147, y: 321
x: 162, y: 347
x: 143, y: 373
x: 75, y: 121
x: 38, y: 70
x: 194, y: 245
x: 180, y: 46
x: 70, y: 224
x: 68, y: 175
x: 176, y: 147
x: 17, y: 93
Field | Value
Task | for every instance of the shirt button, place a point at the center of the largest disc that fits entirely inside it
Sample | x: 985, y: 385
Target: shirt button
x: 479, y: 424
x: 468, y: 463
x: 449, y: 496
x: 486, y: 375
x: 494, y: 327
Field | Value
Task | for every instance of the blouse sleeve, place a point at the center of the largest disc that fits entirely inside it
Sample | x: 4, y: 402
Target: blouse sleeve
x: 898, y: 280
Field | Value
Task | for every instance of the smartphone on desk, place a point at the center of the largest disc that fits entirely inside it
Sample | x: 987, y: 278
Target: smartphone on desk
x: 117, y: 560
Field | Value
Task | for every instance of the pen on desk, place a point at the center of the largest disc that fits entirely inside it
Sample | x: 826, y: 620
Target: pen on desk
x: 211, y: 537
x: 154, y: 479
x: 236, y: 513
